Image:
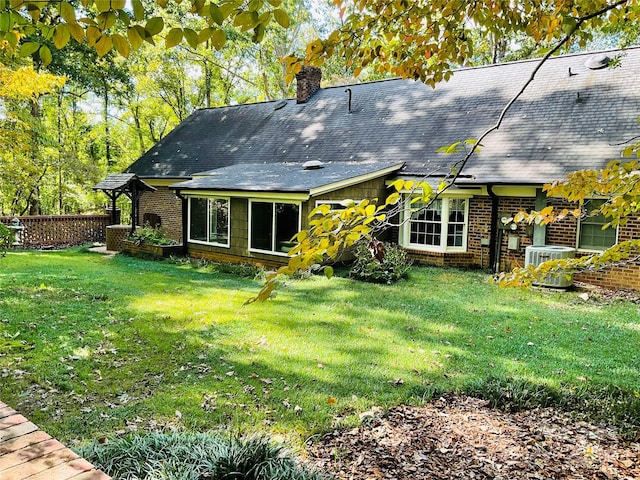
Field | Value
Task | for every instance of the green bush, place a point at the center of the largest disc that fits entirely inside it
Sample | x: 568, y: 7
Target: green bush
x: 195, y: 456
x: 151, y: 235
x: 6, y: 239
x: 392, y: 268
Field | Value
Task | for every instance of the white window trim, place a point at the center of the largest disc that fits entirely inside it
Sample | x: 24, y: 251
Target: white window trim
x: 405, y: 229
x: 202, y: 242
x: 273, y: 225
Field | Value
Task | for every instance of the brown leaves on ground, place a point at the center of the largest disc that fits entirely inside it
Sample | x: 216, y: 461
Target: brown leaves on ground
x: 460, y: 437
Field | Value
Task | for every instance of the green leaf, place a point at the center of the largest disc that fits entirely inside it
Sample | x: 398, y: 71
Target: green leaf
x: 174, y: 37
x: 103, y: 5
x: 5, y: 21
x: 328, y: 271
x: 275, y: 3
x: 138, y: 10
x: 28, y: 48
x: 218, y: 39
x: 154, y: 26
x: 216, y: 14
x: 45, y: 55
x: 568, y: 25
x: 281, y: 17
x: 191, y: 37
x: 246, y: 20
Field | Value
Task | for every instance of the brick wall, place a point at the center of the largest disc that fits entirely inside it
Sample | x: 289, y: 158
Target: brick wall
x: 164, y: 203
x: 45, y: 230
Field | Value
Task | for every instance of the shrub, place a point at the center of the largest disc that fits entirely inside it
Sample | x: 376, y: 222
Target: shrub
x: 195, y: 456
x: 393, y: 267
x: 151, y: 235
x: 6, y: 239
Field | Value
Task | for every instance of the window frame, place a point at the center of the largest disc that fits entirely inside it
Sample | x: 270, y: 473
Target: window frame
x: 273, y: 202
x: 210, y: 200
x: 405, y: 229
x: 581, y: 222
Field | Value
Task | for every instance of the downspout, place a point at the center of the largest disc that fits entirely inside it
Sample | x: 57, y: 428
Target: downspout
x: 185, y: 213
x: 495, y: 237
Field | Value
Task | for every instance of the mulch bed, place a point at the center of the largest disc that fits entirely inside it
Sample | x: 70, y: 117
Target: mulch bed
x: 460, y: 437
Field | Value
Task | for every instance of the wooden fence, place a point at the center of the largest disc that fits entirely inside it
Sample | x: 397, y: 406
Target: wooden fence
x: 55, y: 231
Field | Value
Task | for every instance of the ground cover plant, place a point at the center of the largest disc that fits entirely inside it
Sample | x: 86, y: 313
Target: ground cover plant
x: 118, y: 345
x: 180, y: 456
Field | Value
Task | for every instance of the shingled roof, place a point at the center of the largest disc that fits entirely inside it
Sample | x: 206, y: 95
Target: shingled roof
x: 570, y: 118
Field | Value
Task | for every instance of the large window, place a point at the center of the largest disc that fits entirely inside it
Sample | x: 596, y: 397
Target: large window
x: 209, y: 220
x: 441, y: 226
x: 591, y: 236
x: 272, y: 226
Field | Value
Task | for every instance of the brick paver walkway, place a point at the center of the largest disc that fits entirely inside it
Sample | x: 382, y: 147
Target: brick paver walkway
x: 26, y: 452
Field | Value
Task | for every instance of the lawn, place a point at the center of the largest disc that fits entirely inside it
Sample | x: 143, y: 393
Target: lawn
x: 122, y: 344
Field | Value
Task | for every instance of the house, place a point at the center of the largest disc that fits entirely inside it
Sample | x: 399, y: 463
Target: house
x: 236, y: 182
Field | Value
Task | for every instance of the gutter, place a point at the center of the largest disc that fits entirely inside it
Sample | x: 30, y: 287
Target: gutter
x: 494, y: 242
x: 185, y: 214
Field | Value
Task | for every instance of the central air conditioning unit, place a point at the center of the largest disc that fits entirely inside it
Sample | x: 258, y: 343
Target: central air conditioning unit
x: 537, y: 254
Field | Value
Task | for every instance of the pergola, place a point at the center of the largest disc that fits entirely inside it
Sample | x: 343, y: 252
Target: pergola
x: 128, y: 184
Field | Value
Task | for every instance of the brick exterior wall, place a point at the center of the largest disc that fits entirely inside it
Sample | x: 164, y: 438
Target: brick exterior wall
x: 46, y: 230
x: 560, y: 233
x: 164, y: 203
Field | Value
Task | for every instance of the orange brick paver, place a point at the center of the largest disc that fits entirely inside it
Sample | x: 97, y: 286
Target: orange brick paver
x: 26, y: 452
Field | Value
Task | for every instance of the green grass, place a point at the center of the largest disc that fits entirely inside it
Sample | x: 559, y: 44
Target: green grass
x: 124, y: 344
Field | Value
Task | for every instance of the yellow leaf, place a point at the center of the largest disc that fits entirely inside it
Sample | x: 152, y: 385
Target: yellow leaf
x: 121, y: 45
x: 392, y: 199
x: 77, y: 32
x: 134, y: 37
x: 331, y: 401
x: 67, y: 12
x: 93, y: 35
x: 104, y: 45
x: 61, y: 36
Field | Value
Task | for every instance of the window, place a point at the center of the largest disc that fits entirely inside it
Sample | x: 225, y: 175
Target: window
x: 441, y: 226
x: 591, y: 236
x: 272, y: 226
x: 209, y: 220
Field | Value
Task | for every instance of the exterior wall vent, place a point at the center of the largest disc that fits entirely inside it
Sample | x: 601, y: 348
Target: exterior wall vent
x: 537, y: 254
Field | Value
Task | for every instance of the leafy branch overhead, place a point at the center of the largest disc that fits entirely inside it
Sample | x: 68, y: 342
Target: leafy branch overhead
x: 123, y: 26
x: 426, y: 40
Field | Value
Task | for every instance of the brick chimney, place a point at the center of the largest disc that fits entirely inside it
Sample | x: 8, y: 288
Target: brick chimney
x: 308, y: 83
